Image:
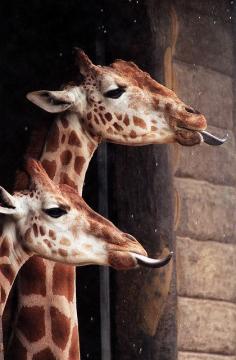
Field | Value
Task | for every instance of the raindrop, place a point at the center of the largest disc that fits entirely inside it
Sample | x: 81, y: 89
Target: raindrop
x: 105, y: 31
x: 155, y: 230
x: 101, y: 10
x: 231, y: 2
x: 60, y: 54
x: 156, y: 163
x: 26, y: 128
x: 230, y: 17
x: 92, y: 318
x: 140, y: 350
x: 214, y: 22
x: 132, y: 216
x: 134, y: 345
x: 199, y: 17
x: 87, y: 356
x: 135, y: 20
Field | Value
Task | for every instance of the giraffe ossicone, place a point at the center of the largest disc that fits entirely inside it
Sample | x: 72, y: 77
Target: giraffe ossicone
x: 121, y: 103
x: 54, y: 222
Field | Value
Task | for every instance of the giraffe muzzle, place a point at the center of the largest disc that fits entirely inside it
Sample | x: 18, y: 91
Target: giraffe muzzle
x: 152, y: 263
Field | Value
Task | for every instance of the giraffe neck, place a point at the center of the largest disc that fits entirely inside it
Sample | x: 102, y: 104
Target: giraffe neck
x: 46, y: 321
x: 12, y: 258
x: 68, y: 151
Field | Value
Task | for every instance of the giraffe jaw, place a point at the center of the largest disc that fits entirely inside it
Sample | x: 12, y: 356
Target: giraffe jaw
x: 152, y: 263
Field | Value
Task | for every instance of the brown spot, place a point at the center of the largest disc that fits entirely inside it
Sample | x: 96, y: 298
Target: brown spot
x: 65, y: 123
x: 48, y: 243
x: 17, y: 351
x: 133, y: 134
x: 64, y: 179
x: 154, y: 128
x: 101, y: 108
x: 52, y: 234
x: 91, y: 147
x: 126, y: 120
x: 33, y: 277
x: 139, y: 122
x: 3, y: 295
x: 42, y: 230
x: 74, y: 347
x: 63, y: 138
x: 50, y: 167
x: 108, y: 116
x: 117, y: 126
x: 35, y: 230
x: 88, y: 246
x: 74, y: 139
x: 66, y: 157
x: 96, y: 120
x: 79, y: 163
x: 45, y: 354
x: 63, y: 281
x: 102, y: 119
x: 7, y: 272
x: 4, y: 248
x: 53, y: 140
x: 89, y: 116
x: 168, y: 107
x: 60, y: 327
x: 110, y: 130
x: 65, y: 241
x: 27, y: 236
x: 31, y: 322
x: 63, y: 252
x: 119, y: 116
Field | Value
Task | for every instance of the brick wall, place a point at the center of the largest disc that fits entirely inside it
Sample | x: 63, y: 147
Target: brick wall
x: 205, y: 182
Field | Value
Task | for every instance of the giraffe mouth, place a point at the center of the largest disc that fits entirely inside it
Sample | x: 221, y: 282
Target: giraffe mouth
x: 190, y: 137
x: 152, y: 263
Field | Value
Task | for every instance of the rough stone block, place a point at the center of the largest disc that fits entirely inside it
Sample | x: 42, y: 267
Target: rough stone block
x: 196, y: 356
x: 204, y: 41
x: 216, y: 10
x: 208, y: 91
x: 204, y: 269
x: 206, y: 211
x: 216, y: 164
x: 206, y: 326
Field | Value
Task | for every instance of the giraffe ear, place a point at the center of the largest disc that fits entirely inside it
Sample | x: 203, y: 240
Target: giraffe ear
x: 52, y: 101
x: 8, y: 204
x: 83, y: 62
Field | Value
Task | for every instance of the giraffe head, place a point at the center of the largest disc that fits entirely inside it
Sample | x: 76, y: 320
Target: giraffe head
x: 53, y: 221
x: 122, y: 104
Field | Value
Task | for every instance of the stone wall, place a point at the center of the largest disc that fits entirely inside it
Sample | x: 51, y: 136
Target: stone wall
x: 205, y: 181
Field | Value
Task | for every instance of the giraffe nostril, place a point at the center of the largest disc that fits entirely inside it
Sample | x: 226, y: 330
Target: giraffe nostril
x: 192, y: 111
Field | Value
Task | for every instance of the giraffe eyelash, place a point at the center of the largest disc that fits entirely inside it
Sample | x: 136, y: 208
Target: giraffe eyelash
x: 55, y: 212
x: 115, y: 93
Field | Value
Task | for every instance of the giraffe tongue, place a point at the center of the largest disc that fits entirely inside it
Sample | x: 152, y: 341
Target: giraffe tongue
x: 152, y: 263
x: 210, y: 139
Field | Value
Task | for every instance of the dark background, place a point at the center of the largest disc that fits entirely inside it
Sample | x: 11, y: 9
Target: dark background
x: 37, y: 39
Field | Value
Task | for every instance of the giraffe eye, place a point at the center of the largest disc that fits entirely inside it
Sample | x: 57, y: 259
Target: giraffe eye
x: 55, y: 212
x: 115, y: 93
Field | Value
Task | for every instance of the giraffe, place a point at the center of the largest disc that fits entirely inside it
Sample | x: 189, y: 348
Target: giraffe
x: 121, y: 104
x: 54, y: 222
